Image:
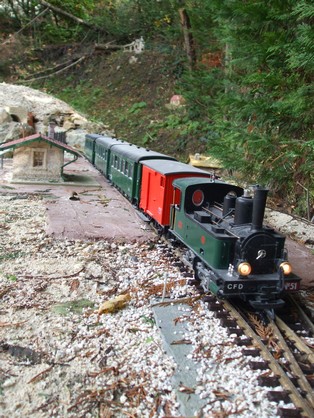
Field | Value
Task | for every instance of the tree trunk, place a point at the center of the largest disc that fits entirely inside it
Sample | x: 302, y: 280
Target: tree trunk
x: 69, y: 15
x: 188, y: 37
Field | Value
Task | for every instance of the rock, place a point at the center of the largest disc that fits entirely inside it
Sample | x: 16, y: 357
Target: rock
x: 20, y: 100
x: 177, y: 100
x: 18, y: 113
x: 68, y: 125
x: 133, y: 60
x: 24, y: 111
x: 76, y: 139
x: 4, y: 116
x: 14, y: 130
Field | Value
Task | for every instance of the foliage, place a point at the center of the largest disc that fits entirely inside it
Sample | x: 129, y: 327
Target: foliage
x: 51, y: 26
x: 259, y: 103
x: 249, y: 97
x: 136, y: 107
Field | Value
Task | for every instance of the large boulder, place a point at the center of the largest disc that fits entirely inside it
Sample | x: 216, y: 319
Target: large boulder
x: 24, y: 111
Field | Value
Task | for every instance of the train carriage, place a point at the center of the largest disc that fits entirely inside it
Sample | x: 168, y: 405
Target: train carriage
x: 103, y: 145
x: 126, y: 168
x: 89, y: 147
x: 156, y: 194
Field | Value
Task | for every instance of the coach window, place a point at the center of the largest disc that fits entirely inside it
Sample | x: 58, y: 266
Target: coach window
x: 130, y: 171
x: 126, y: 168
x: 39, y: 158
x: 116, y: 161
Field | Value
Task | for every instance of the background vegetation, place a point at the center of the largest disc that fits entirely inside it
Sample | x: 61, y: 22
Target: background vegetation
x: 245, y: 69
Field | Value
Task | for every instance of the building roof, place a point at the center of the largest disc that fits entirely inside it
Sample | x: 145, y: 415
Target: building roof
x: 38, y: 137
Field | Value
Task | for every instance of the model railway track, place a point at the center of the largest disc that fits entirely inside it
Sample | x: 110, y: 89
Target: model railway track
x: 289, y: 373
x: 286, y: 369
x: 297, y: 387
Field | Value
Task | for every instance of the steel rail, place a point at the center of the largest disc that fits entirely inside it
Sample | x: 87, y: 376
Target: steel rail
x: 299, y: 343
x: 302, y: 314
x: 293, y: 365
x: 284, y: 380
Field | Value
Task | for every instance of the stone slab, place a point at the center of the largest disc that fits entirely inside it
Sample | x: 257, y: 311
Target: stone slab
x: 185, y: 375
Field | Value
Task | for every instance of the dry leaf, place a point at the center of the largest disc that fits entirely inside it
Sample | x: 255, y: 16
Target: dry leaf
x: 114, y: 305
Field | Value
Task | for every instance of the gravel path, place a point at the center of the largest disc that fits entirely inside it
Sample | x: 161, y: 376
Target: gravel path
x: 60, y: 358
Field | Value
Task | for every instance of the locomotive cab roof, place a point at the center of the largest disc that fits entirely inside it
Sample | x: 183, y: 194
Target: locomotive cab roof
x: 225, y: 188
x: 214, y: 191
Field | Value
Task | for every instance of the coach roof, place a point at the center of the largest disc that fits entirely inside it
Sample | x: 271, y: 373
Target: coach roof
x: 135, y: 153
x: 174, y: 167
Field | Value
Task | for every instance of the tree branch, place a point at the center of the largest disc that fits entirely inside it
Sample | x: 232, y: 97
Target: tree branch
x: 69, y: 15
x: 55, y: 73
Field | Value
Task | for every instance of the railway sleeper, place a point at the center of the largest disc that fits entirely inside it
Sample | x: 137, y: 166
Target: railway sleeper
x: 269, y: 381
x: 241, y: 342
x: 228, y: 322
x: 209, y: 298
x: 289, y: 412
x: 258, y: 365
x: 213, y: 306
x: 252, y: 352
x: 311, y: 381
x: 221, y: 314
x: 235, y: 331
x: 278, y: 395
x: 307, y: 369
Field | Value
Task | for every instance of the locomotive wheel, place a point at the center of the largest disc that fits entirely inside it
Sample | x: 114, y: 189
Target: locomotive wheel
x: 196, y: 264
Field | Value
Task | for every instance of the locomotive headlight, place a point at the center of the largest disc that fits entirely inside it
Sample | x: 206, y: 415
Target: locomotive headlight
x: 286, y: 267
x: 244, y: 268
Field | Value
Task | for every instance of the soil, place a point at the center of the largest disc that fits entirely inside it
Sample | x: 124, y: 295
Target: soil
x: 97, y: 210
x: 128, y: 93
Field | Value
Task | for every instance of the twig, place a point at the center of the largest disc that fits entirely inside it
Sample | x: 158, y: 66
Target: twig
x: 57, y: 72
x: 10, y: 324
x: 56, y: 67
x: 183, y: 300
x: 40, y: 375
x: 54, y: 278
x: 5, y: 290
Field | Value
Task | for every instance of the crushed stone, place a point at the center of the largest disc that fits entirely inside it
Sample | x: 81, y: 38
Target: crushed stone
x: 60, y: 358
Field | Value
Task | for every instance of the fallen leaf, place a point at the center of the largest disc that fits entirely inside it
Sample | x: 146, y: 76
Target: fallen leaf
x: 114, y: 305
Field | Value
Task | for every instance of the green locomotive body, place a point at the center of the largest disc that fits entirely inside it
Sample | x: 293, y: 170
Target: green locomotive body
x: 230, y: 250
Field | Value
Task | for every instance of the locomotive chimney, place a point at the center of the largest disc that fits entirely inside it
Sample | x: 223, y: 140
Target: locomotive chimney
x: 259, y: 205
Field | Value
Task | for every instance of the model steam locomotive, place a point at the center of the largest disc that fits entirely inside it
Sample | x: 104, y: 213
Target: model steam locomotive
x: 232, y: 253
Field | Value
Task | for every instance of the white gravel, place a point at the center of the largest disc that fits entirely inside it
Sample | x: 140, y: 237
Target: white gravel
x: 112, y: 365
